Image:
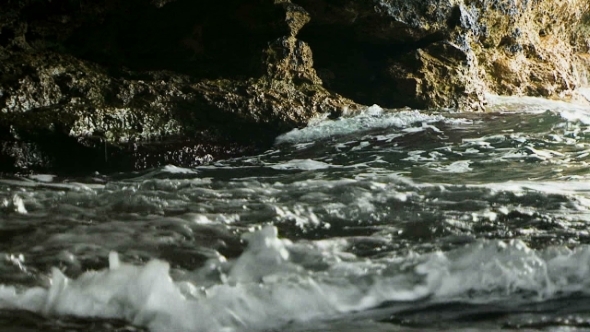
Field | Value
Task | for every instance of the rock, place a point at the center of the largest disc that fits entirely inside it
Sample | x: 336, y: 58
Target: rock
x: 394, y: 53
x: 532, y: 48
x: 97, y: 104
x: 290, y: 59
x: 440, y: 75
x: 448, y: 53
x: 295, y: 16
x: 115, y: 85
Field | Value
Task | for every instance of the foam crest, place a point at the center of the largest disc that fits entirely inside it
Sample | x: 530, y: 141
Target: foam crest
x: 373, y: 117
x: 301, y: 164
x: 275, y: 282
x: 167, y: 172
x: 570, y: 111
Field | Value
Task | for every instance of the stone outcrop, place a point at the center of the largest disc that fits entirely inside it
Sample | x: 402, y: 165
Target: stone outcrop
x: 127, y: 84
x: 533, y: 47
x: 448, y: 53
x: 115, y: 85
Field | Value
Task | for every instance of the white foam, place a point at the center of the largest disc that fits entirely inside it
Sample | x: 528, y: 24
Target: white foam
x: 16, y: 204
x: 570, y: 111
x: 461, y: 166
x: 177, y: 170
x: 372, y: 118
x: 42, y: 177
x: 303, y: 217
x: 375, y: 117
x: 573, y: 115
x: 530, y: 104
x: 301, y: 164
x: 26, y: 183
x: 374, y: 110
x: 166, y: 171
x: 547, y: 187
x: 585, y: 92
x: 275, y: 282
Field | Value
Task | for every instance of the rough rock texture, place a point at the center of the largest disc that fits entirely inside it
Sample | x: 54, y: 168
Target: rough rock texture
x: 114, y: 85
x: 447, y: 53
x: 126, y: 84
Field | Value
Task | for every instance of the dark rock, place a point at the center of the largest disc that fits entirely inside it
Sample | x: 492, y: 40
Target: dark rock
x: 119, y: 85
x: 125, y: 84
x: 393, y: 53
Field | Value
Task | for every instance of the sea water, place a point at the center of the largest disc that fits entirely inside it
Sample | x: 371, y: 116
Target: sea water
x: 389, y: 220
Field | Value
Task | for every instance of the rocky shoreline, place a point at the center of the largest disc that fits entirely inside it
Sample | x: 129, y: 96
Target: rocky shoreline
x: 116, y: 85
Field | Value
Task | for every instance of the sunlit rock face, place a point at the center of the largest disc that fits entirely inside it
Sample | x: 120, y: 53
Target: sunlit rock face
x: 531, y: 47
x: 446, y: 53
x: 113, y: 85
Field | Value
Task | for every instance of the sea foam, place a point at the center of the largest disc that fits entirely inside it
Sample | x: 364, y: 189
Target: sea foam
x: 276, y: 282
x: 373, y: 117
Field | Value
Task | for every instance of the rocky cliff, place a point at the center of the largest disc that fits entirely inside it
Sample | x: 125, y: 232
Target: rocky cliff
x: 127, y: 84
x: 447, y: 53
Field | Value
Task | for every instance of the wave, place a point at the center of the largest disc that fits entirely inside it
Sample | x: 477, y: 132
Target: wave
x: 373, y: 117
x: 276, y: 282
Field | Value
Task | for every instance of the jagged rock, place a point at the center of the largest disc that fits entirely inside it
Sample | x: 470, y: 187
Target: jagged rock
x: 290, y: 59
x: 448, y: 53
x: 63, y: 108
x: 128, y: 84
x: 394, y: 53
x: 532, y: 47
x: 295, y: 16
x: 440, y: 75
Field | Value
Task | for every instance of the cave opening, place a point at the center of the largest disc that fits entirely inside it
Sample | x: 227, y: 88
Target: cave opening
x: 204, y: 39
x: 363, y: 68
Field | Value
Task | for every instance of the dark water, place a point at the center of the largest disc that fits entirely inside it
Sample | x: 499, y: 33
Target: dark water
x: 386, y: 221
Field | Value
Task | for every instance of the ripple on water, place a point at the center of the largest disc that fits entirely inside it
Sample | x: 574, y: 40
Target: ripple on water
x: 388, y: 220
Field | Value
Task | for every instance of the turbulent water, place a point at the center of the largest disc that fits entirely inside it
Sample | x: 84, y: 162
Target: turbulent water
x: 385, y: 221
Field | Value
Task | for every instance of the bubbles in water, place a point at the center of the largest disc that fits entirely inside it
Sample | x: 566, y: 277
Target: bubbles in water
x: 380, y: 211
x: 276, y: 281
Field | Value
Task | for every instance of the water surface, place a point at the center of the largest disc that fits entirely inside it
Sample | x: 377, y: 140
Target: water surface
x: 391, y: 220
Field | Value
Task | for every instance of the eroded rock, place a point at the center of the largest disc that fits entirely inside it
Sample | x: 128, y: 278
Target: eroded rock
x: 448, y: 53
x: 533, y: 47
x: 211, y: 87
x: 113, y: 84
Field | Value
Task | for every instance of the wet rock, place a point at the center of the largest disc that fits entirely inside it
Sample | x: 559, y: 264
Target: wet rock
x: 220, y: 84
x: 58, y: 105
x: 115, y: 85
x: 441, y: 53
